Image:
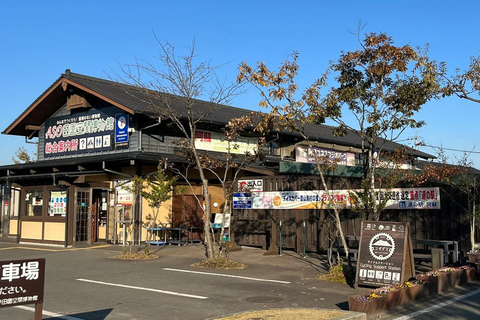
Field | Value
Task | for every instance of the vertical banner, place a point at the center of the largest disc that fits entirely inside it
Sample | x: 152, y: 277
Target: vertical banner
x: 385, y: 253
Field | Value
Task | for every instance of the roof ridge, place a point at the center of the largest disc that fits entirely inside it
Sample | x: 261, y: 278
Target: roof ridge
x: 69, y: 74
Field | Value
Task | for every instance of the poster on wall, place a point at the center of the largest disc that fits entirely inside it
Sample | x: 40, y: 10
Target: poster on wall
x: 122, y: 194
x: 79, y: 133
x: 58, y: 203
x: 385, y: 254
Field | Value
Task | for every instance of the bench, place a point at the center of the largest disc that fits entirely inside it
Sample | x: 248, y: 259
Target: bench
x: 333, y: 253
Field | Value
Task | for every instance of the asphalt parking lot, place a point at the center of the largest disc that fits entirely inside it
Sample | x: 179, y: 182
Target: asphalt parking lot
x: 84, y: 283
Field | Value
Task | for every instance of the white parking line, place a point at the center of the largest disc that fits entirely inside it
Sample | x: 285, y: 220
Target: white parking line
x: 144, y: 289
x: 49, y: 314
x: 227, y: 275
x: 437, y: 306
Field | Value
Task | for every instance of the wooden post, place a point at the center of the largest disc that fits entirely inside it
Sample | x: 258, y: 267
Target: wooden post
x: 437, y: 258
x: 38, y: 311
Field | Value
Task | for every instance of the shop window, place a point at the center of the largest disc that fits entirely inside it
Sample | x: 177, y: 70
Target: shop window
x: 34, y: 200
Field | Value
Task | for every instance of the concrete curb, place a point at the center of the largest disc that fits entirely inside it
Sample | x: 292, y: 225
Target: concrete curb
x: 350, y: 315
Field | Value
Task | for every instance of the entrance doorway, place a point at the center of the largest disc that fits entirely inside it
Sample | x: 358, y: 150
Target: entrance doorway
x: 99, y: 216
x: 82, y: 214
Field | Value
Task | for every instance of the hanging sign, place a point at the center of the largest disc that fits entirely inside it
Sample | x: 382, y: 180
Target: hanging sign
x: 121, y: 129
x: 385, y: 253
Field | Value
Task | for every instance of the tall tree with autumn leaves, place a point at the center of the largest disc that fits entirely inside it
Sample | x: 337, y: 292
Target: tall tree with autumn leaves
x: 383, y: 86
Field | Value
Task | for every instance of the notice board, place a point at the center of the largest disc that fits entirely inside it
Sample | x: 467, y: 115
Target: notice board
x: 385, y: 253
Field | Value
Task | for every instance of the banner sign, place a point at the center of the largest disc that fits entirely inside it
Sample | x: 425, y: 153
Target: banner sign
x: 385, y: 253
x: 79, y: 133
x: 396, y: 199
x: 242, y: 200
x: 255, y: 185
x: 307, y: 155
x: 121, y: 128
x: 22, y: 282
x: 215, y: 141
x: 311, y: 199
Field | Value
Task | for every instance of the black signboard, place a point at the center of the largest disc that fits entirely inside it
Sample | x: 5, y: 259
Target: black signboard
x: 81, y: 132
x: 22, y: 282
x: 385, y: 253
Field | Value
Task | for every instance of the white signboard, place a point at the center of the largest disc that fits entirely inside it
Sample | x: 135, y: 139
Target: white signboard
x: 215, y: 141
x: 310, y: 155
x: 254, y: 185
x: 123, y: 196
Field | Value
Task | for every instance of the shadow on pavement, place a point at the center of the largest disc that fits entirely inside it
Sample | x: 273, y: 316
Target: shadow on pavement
x: 91, y: 315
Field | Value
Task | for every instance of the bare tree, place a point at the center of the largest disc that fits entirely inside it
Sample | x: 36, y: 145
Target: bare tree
x: 172, y: 92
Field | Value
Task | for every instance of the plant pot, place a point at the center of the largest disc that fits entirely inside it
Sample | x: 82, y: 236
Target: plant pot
x: 470, y: 274
x: 371, y: 306
x: 445, y: 281
x: 431, y: 283
x: 461, y: 277
x: 472, y: 257
x: 409, y: 294
x: 423, y: 291
x: 393, y: 298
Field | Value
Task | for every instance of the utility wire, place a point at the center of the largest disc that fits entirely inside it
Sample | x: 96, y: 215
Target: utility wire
x: 449, y: 149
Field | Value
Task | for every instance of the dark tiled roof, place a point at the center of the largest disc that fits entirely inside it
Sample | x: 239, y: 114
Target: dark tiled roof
x: 139, y: 101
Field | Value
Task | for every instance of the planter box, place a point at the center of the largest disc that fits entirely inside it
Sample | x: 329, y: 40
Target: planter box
x: 430, y: 285
x: 370, y: 306
x: 473, y: 257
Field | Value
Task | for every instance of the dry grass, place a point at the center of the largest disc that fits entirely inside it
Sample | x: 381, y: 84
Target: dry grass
x: 286, y: 314
x: 135, y: 256
x: 335, y: 274
x: 219, y: 263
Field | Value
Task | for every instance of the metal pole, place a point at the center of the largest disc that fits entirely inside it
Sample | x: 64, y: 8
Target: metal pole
x: 304, y: 238
x: 280, y: 231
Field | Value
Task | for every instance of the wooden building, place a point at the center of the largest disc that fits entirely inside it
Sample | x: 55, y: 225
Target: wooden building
x: 94, y: 135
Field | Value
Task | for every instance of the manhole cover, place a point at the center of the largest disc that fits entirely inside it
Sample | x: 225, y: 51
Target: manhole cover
x: 263, y: 299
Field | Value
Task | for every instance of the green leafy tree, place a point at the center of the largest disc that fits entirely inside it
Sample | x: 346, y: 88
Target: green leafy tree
x: 156, y: 189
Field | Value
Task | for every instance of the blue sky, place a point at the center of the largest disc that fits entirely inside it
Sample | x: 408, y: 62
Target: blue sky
x: 40, y: 39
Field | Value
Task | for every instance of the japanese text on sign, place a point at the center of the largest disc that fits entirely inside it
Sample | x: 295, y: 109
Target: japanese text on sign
x: 21, y: 282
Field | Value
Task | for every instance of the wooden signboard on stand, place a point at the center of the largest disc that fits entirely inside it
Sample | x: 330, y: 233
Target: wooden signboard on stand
x: 385, y: 254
